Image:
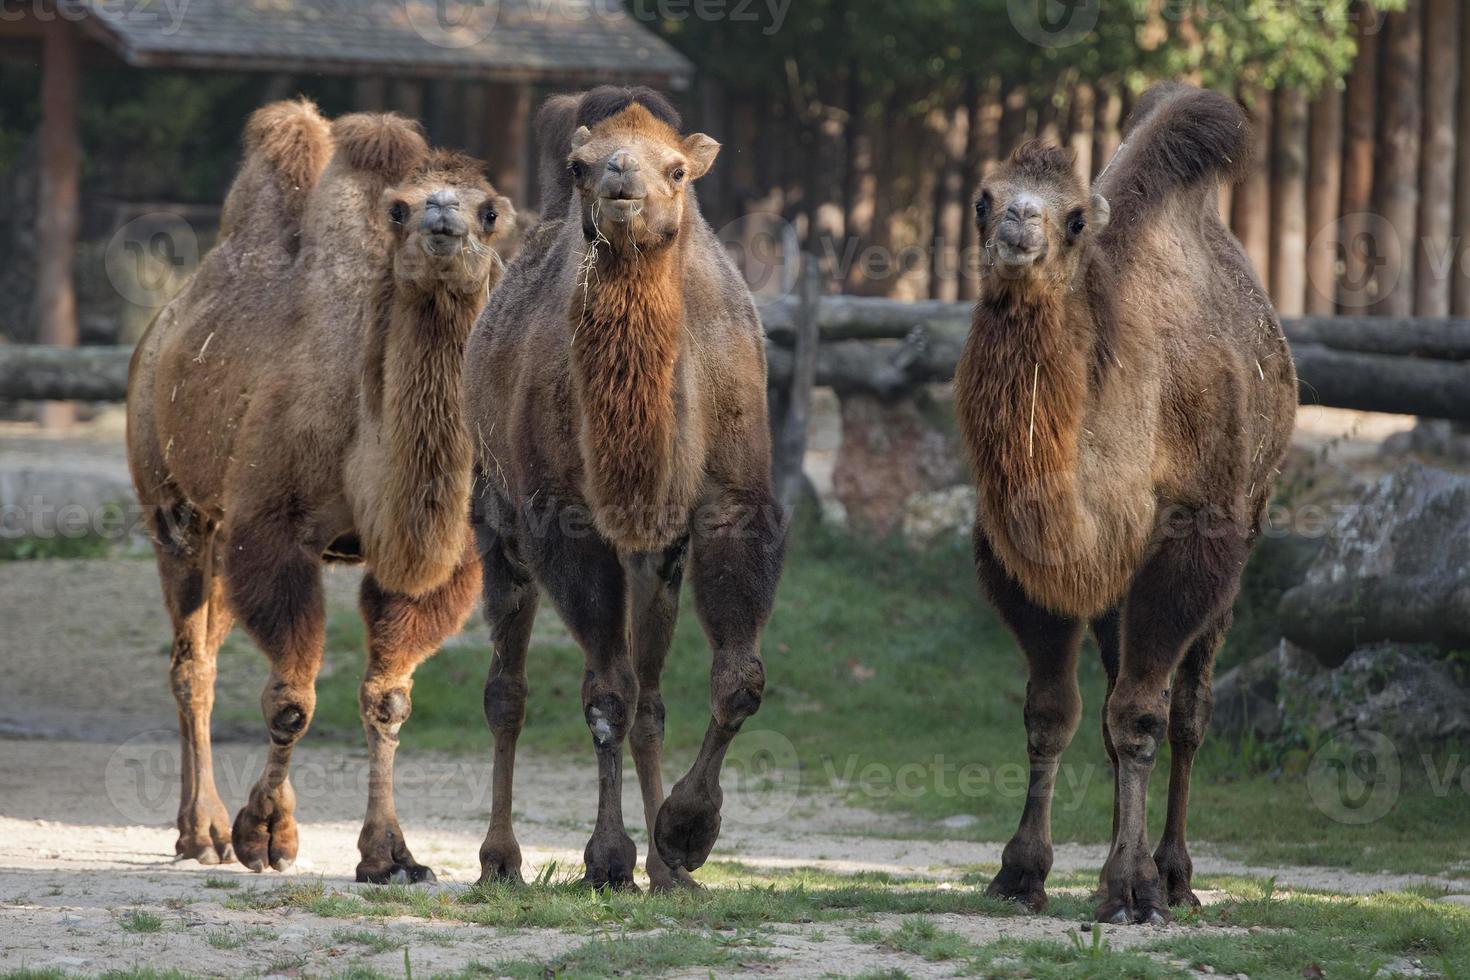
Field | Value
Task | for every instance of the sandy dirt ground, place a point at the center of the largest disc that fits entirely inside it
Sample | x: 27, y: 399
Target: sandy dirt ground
x: 88, y: 788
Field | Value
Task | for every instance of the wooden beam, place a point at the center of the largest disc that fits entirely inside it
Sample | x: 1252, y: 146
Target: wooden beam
x: 31, y: 372
x: 59, y: 207
x: 506, y: 122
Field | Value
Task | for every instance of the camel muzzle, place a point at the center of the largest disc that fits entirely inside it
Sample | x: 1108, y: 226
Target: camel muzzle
x: 1019, y: 242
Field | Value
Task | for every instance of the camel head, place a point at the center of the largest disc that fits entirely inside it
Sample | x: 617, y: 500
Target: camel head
x: 631, y: 173
x: 1035, y: 217
x: 445, y: 218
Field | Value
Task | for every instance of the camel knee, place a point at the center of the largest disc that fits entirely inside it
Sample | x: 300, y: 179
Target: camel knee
x: 384, y: 711
x: 287, y: 711
x: 736, y: 692
x: 1187, y: 727
x: 505, y: 703
x: 648, y: 723
x: 1050, y: 724
x: 1137, y: 726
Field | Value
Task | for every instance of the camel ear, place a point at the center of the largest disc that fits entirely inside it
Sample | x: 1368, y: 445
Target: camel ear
x: 581, y: 137
x: 701, y: 151
x: 1099, y: 213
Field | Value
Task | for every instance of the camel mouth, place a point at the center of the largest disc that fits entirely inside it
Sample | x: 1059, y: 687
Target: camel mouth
x: 443, y: 246
x: 1016, y: 256
x: 620, y: 210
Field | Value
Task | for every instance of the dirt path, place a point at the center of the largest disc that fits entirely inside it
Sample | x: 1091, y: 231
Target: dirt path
x: 88, y: 788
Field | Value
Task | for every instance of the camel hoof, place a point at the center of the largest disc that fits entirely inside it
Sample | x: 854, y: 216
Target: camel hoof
x: 599, y: 881
x: 1026, y: 888
x: 686, y: 830
x: 667, y: 880
x: 1156, y: 918
x: 396, y: 874
x: 264, y: 836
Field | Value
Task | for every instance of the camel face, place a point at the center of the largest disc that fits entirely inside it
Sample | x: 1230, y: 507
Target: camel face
x: 444, y: 220
x: 1034, y: 215
x: 630, y: 174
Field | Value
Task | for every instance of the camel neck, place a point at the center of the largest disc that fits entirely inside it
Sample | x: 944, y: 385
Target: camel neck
x: 628, y: 321
x: 423, y: 488
x: 1022, y: 387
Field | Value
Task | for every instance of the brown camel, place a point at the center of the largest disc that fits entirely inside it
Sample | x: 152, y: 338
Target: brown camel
x: 300, y: 401
x: 617, y: 390
x: 1126, y: 395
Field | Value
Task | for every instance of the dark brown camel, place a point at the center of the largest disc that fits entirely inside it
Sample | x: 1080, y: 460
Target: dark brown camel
x: 617, y: 390
x: 1126, y: 395
x: 300, y: 401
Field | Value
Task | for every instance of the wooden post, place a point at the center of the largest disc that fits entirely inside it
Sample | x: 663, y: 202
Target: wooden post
x: 1109, y: 127
x: 1361, y: 124
x: 981, y: 151
x: 59, y: 207
x: 1324, y: 192
x: 370, y: 93
x: 1433, y: 266
x: 795, y: 402
x: 507, y: 120
x: 1289, y: 203
x: 1084, y: 107
x: 406, y: 96
x: 1396, y: 173
x: 950, y: 208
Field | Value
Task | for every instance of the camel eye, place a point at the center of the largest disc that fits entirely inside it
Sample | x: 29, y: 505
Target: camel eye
x: 398, y: 213
x: 982, y: 208
x: 579, y: 170
x: 487, y: 218
x: 678, y: 174
x: 1076, y: 224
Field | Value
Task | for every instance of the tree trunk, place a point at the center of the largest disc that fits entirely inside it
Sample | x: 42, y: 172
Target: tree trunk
x: 795, y: 399
x: 1354, y: 293
x: 1324, y: 193
x: 406, y: 96
x: 950, y: 207
x: 1109, y: 127
x: 1289, y: 203
x: 1434, y: 263
x: 60, y: 198
x: 1396, y: 177
x: 1251, y: 205
x: 370, y: 93
x: 1012, y: 118
x: 1084, y: 120
x: 475, y: 104
x: 980, y: 155
x: 1460, y: 302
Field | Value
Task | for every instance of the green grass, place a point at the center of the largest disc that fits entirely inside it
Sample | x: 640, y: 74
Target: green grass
x: 894, y: 683
x: 140, y: 920
x: 56, y: 546
x: 640, y: 956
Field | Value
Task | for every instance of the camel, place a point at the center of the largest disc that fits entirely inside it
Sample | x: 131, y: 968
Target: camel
x: 1126, y: 395
x: 300, y: 402
x: 616, y: 385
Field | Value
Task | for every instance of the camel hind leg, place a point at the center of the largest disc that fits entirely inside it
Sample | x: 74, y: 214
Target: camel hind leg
x: 402, y: 632
x: 193, y: 592
x: 654, y: 580
x: 1191, y: 702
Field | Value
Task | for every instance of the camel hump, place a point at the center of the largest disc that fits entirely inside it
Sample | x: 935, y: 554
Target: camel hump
x: 386, y: 145
x: 560, y: 115
x: 293, y: 139
x: 1177, y: 139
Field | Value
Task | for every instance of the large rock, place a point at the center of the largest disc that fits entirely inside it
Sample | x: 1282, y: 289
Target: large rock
x: 1395, y: 568
x: 892, y: 451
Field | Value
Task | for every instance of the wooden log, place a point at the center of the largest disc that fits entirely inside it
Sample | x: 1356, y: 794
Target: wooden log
x: 1333, y: 620
x: 59, y: 207
x: 793, y: 401
x: 1445, y: 340
x: 89, y: 374
x: 1375, y: 383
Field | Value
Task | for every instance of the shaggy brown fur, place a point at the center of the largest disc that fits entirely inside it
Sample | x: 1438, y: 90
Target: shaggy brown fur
x: 617, y: 396
x: 300, y: 401
x: 1126, y: 394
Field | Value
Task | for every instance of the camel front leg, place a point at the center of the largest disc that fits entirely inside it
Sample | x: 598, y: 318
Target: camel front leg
x: 194, y: 595
x: 1188, y: 583
x: 654, y: 579
x: 1191, y: 703
x: 402, y: 632
x: 275, y: 588
x: 738, y: 547
x: 585, y: 579
x: 1053, y: 710
x: 510, y: 609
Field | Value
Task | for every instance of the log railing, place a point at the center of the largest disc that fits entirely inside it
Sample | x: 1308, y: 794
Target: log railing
x: 887, y: 348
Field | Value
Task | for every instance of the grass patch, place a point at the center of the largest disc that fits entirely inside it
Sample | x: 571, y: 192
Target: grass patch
x: 637, y: 956
x: 31, y: 548
x: 378, y: 941
x: 140, y: 920
x: 215, y: 881
x: 896, y: 685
